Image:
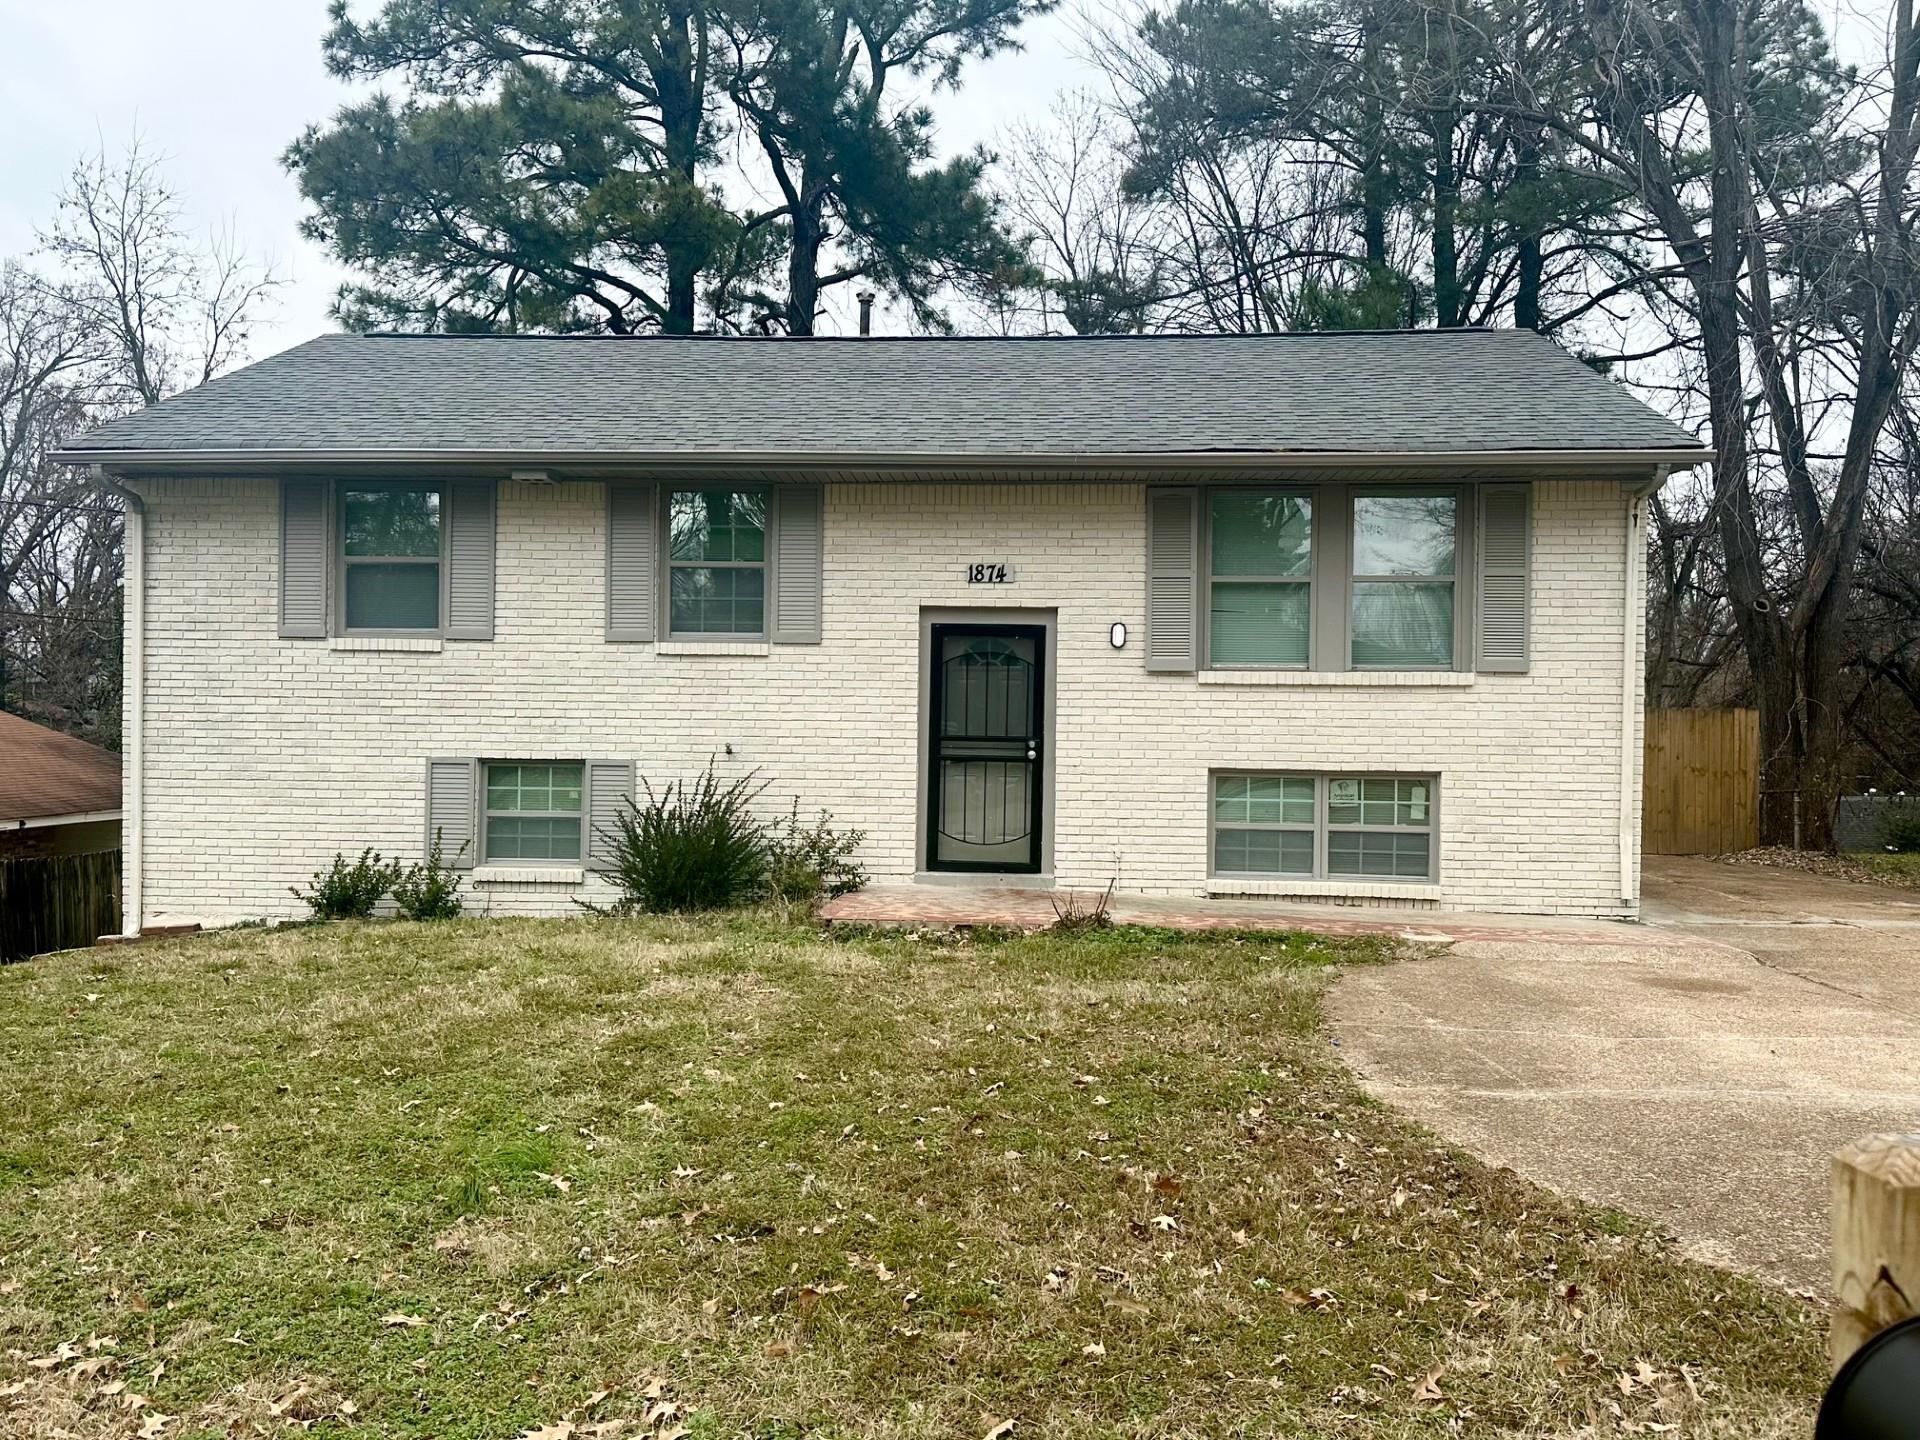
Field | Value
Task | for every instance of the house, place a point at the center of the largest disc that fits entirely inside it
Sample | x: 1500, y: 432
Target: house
x: 58, y: 795
x: 1342, y: 617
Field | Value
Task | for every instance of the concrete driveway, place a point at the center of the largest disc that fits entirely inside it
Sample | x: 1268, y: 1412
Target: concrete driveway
x: 1699, y: 1073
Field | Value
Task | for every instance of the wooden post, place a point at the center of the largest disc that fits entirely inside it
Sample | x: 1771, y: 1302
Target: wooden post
x: 1876, y: 1239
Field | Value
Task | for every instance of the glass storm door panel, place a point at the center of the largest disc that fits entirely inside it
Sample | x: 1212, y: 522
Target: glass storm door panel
x: 988, y: 701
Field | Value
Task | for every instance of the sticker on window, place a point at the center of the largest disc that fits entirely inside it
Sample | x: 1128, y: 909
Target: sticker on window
x: 1344, y: 792
x: 1417, y: 804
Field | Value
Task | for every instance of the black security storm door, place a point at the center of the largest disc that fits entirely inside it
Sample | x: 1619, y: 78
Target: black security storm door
x: 987, y: 706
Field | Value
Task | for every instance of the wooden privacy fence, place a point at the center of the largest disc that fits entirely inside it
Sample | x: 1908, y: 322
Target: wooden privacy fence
x: 1701, y: 785
x: 57, y: 903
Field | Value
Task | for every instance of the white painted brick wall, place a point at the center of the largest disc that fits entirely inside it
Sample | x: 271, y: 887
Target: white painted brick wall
x: 265, y: 756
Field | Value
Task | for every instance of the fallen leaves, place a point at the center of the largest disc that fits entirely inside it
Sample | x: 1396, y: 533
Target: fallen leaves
x: 399, y: 1321
x: 659, y: 1418
x: 1317, y: 1299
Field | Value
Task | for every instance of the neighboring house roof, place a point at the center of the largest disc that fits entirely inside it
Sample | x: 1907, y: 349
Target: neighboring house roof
x: 1414, y: 393
x: 44, y: 773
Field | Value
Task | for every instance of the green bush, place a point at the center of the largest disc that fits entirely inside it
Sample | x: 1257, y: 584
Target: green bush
x: 693, y: 846
x: 431, y: 890
x: 1900, y: 831
x: 348, y: 892
x: 807, y: 862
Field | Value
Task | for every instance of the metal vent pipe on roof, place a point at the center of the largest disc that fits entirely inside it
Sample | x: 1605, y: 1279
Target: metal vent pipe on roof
x: 866, y: 297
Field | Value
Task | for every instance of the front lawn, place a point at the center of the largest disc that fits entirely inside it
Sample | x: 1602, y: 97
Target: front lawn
x: 724, y: 1178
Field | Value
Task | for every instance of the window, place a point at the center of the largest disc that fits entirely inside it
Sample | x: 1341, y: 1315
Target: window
x: 1380, y: 826
x: 1334, y: 576
x: 1377, y: 827
x: 390, y: 542
x: 1403, y: 581
x: 1260, y: 585
x: 717, y: 562
x: 533, y: 811
x: 1263, y: 824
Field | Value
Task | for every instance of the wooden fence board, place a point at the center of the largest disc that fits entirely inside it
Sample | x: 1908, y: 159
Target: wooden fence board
x: 57, y: 903
x: 1701, y: 783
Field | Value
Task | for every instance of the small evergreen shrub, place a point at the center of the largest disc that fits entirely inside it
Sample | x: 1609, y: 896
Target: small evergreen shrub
x: 693, y: 846
x: 348, y: 892
x: 1900, y: 831
x: 430, y: 890
x: 806, y: 863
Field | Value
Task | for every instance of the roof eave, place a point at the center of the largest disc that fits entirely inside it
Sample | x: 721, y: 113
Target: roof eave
x: 72, y: 817
x: 131, y: 461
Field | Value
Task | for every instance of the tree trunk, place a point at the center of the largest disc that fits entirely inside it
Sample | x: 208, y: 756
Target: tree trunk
x: 1446, y: 210
x: 1531, y: 262
x: 1376, y: 186
x: 803, y: 261
x: 681, y: 80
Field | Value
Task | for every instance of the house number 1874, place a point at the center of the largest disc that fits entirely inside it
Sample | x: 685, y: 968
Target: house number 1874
x: 989, y: 573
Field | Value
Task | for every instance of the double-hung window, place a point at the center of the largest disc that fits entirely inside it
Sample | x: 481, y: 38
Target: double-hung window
x: 533, y: 811
x: 1260, y: 577
x: 392, y: 543
x: 1405, y: 612
x: 717, y: 563
x: 1378, y: 827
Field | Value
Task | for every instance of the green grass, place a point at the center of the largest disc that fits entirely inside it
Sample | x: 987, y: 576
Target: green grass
x: 1899, y: 868
x: 459, y: 1180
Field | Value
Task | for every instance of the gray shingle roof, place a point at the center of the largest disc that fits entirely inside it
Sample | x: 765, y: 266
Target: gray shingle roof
x: 1415, y: 392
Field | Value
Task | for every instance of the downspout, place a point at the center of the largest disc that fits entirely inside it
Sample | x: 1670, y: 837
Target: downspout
x: 1632, y: 619
x: 133, y: 597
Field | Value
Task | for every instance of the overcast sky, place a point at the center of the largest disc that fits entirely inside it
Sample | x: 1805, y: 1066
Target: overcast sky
x: 219, y: 87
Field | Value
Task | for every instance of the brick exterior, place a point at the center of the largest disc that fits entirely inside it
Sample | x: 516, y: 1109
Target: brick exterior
x: 264, y: 756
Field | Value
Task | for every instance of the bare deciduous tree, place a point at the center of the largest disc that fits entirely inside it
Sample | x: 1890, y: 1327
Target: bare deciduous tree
x: 121, y: 308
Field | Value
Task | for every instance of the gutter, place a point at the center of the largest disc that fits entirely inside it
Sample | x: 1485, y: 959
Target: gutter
x: 1632, y: 698
x: 133, y: 702
x: 626, y: 461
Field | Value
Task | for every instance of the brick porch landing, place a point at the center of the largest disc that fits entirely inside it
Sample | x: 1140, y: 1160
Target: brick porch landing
x: 949, y: 905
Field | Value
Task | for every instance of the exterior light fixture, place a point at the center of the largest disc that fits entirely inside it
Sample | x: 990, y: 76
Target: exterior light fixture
x: 1117, y: 635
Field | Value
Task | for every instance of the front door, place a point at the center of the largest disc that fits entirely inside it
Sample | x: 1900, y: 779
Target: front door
x: 988, y: 701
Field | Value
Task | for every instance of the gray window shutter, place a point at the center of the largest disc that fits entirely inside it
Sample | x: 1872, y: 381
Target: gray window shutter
x: 609, y: 788
x: 452, y: 795
x: 630, y: 561
x: 470, y: 538
x: 1505, y: 546
x: 305, y: 558
x: 1173, y: 578
x: 799, y: 554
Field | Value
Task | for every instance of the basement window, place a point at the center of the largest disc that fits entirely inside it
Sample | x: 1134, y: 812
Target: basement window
x: 1319, y: 827
x: 534, y: 812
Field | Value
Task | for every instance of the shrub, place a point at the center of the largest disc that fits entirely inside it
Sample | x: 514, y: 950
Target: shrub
x: 1900, y: 831
x: 348, y: 892
x: 806, y: 862
x: 693, y: 846
x: 1075, y: 916
x: 429, y: 891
